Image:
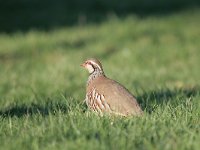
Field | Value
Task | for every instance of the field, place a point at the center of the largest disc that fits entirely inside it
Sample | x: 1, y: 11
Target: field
x: 42, y: 86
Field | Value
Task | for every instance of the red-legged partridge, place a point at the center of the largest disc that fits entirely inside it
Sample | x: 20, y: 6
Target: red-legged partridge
x: 106, y: 95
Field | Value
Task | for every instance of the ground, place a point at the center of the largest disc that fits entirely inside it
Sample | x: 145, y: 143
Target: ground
x: 155, y: 57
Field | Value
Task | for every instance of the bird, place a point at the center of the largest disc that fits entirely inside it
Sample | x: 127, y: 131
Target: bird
x: 107, y: 96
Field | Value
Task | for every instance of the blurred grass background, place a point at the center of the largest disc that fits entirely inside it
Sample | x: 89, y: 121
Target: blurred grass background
x: 23, y: 15
x: 151, y: 47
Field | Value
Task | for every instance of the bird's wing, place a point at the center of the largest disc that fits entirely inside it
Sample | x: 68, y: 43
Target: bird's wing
x: 118, y: 97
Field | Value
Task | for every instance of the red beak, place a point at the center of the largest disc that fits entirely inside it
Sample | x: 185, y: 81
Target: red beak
x: 82, y: 65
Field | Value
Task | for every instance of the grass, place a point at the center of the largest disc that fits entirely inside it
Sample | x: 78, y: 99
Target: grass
x: 43, y: 87
x: 49, y: 14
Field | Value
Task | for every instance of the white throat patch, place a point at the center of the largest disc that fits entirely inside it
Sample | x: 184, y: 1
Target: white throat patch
x: 90, y: 68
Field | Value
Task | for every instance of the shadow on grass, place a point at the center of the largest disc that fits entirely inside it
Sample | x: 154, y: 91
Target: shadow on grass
x: 150, y: 99
x: 32, y: 109
x: 24, y: 15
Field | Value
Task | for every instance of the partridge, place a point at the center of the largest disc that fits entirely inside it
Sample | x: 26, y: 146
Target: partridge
x: 105, y: 95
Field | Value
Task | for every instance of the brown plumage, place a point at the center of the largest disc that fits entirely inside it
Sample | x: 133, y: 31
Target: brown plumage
x: 106, y: 95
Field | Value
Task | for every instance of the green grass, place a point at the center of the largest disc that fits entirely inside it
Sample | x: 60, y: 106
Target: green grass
x: 43, y: 86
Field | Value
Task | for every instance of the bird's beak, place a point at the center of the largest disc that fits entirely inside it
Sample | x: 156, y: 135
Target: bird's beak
x: 82, y: 65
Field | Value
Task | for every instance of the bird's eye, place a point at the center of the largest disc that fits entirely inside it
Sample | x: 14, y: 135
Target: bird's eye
x: 89, y: 63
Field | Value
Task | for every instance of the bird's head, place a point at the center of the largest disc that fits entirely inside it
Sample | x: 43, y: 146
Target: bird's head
x: 92, y: 65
